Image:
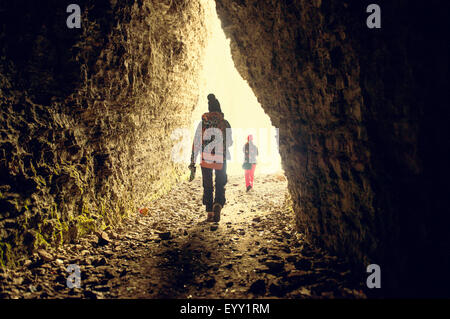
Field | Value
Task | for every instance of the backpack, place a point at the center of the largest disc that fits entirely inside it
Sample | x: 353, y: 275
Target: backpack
x: 209, y: 156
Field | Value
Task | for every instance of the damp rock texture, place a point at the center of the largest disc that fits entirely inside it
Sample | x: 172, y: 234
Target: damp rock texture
x: 87, y: 114
x: 363, y: 119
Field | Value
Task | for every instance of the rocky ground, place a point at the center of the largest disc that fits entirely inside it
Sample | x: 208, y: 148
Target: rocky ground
x: 173, y: 253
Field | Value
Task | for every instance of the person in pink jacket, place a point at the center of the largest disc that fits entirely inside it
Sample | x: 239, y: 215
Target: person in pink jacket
x: 250, y: 153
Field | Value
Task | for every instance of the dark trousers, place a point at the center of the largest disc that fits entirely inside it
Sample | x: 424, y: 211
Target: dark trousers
x: 208, y: 188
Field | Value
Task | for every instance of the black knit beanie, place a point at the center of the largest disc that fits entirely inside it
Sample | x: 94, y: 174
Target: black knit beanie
x: 213, y: 104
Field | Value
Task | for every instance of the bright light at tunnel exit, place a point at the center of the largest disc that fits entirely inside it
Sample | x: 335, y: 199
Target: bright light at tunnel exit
x: 238, y: 103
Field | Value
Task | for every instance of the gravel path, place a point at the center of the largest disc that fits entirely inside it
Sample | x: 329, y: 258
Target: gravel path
x: 173, y: 253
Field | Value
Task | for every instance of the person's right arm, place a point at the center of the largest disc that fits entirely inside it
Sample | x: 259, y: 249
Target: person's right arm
x: 197, y: 143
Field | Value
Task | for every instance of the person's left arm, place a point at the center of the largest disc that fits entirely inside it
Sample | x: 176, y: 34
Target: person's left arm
x: 229, y: 133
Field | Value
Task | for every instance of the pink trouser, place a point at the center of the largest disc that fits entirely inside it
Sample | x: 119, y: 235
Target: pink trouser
x: 249, y: 174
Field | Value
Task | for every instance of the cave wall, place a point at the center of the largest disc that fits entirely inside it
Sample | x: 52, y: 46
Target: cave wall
x: 362, y: 117
x: 87, y: 114
x: 86, y: 117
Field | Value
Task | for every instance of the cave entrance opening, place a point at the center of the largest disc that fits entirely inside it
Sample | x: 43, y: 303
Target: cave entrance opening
x: 238, y: 103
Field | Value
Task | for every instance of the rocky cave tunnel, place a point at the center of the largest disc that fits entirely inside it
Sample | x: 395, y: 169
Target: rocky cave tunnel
x: 87, y: 114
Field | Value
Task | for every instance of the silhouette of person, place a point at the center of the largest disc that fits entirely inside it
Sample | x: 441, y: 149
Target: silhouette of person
x: 212, y: 140
x: 250, y: 153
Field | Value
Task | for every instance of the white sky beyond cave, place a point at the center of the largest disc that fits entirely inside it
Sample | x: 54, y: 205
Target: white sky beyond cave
x: 238, y: 104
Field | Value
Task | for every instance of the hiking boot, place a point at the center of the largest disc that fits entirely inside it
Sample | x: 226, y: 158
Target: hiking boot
x: 210, y: 218
x: 217, y: 208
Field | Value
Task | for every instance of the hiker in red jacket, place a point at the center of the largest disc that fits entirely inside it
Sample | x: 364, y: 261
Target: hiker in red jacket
x: 250, y: 153
x: 212, y: 140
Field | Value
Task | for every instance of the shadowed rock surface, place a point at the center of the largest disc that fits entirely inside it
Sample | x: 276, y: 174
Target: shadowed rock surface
x: 87, y: 114
x: 363, y: 125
